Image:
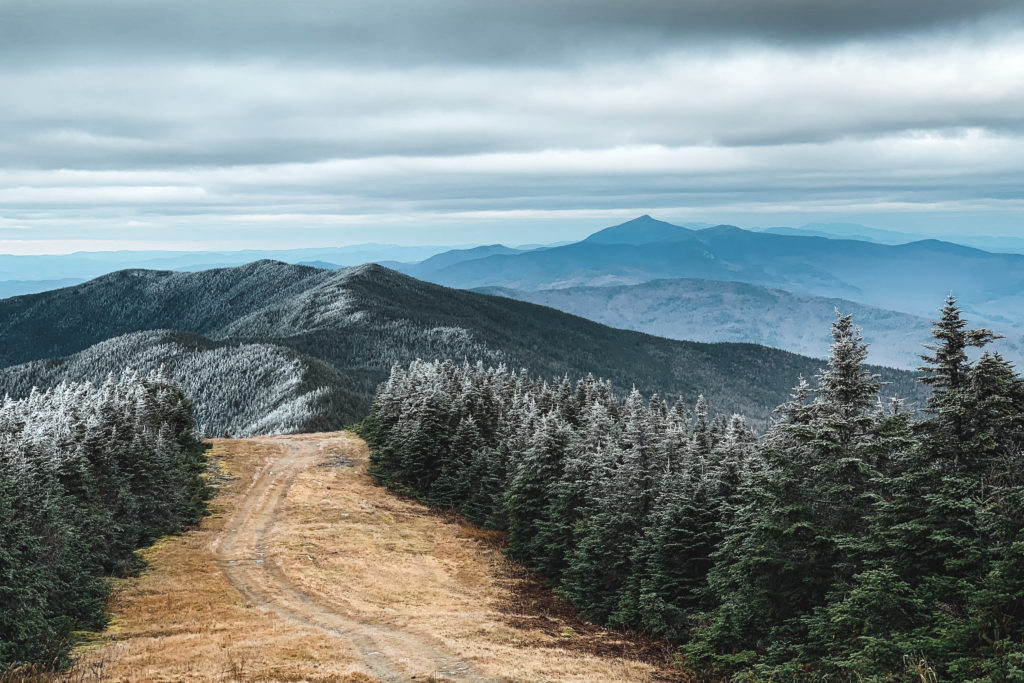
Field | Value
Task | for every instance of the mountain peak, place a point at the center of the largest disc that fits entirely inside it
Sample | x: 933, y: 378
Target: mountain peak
x: 641, y: 230
x: 643, y: 220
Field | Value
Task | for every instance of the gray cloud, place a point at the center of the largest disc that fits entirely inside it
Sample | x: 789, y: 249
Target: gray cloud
x: 199, y: 121
x: 444, y: 31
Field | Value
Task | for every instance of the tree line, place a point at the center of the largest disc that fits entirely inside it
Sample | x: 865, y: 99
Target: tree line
x: 88, y: 474
x: 856, y: 539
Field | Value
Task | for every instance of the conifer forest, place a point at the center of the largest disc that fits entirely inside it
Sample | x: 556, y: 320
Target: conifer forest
x: 856, y: 540
x: 88, y: 474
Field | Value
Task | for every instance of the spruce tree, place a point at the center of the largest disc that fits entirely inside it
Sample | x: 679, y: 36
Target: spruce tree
x: 87, y: 474
x: 787, y: 545
x: 527, y: 499
x: 671, y: 560
x: 453, y: 484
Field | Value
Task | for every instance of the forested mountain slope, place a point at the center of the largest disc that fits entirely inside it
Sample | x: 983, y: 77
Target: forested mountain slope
x: 315, y: 344
x: 67, y: 320
x: 717, y: 311
x: 241, y: 389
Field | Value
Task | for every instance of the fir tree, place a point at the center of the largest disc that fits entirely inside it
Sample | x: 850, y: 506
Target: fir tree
x: 789, y: 544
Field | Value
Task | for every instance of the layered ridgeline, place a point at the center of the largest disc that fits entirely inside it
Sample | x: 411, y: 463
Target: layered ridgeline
x: 88, y: 473
x: 855, y: 231
x: 849, y: 544
x: 716, y: 311
x: 910, y: 278
x: 270, y: 347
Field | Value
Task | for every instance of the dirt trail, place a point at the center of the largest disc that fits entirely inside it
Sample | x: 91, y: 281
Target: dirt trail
x: 389, y: 653
x: 308, y: 572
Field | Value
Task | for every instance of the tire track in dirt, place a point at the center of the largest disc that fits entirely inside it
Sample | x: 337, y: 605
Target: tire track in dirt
x: 388, y: 653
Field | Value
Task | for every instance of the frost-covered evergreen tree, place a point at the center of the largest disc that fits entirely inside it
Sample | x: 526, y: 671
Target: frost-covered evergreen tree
x: 789, y: 544
x: 88, y: 474
x: 855, y: 536
x: 531, y: 534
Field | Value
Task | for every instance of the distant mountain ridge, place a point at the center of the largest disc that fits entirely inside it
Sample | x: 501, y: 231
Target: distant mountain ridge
x: 717, y: 311
x: 87, y: 265
x: 28, y: 274
x: 9, y: 288
x: 910, y: 278
x: 310, y: 346
x: 37, y: 273
x: 855, y: 231
x: 450, y: 258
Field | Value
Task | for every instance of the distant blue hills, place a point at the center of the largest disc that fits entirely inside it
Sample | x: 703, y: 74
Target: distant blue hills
x: 855, y: 231
x: 87, y: 265
x: 913, y: 277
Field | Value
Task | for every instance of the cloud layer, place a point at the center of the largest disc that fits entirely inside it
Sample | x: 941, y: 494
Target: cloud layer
x: 258, y: 123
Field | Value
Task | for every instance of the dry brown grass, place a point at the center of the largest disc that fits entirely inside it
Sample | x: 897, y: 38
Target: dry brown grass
x: 369, y: 557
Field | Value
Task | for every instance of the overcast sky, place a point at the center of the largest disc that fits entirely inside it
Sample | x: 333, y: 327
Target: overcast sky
x: 251, y: 123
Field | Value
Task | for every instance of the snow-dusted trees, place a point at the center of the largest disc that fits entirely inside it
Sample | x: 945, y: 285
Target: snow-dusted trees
x: 617, y: 501
x: 237, y: 389
x: 87, y: 475
x: 854, y: 538
x: 790, y: 542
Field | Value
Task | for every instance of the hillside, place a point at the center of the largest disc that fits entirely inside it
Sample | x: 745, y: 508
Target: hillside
x: 67, y: 320
x: 329, y: 337
x: 242, y: 389
x: 911, y: 278
x: 713, y: 311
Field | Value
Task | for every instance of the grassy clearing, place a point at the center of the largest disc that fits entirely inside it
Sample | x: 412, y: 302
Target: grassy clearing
x: 362, y: 552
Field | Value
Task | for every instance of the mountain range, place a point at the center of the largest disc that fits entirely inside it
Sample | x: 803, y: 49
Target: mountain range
x: 82, y: 266
x: 677, y: 310
x: 909, y: 278
x: 276, y: 347
x: 855, y: 231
